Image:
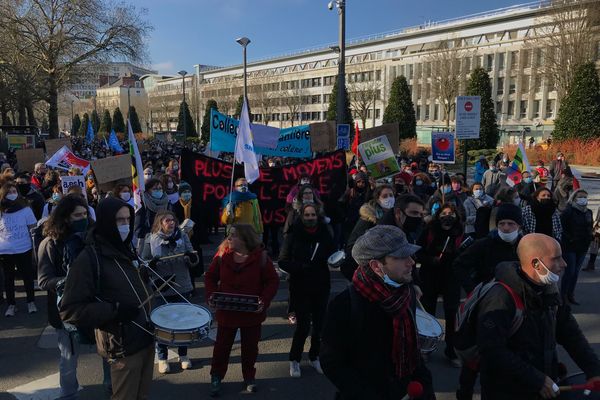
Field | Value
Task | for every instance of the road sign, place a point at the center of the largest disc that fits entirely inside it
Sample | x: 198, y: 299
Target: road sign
x: 343, y: 136
x: 468, y: 117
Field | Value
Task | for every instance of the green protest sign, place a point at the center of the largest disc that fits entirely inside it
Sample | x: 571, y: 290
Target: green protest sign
x: 379, y: 157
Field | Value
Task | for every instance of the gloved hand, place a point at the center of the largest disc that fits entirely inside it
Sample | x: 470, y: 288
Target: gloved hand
x: 126, y: 312
x: 154, y: 262
x: 191, y: 258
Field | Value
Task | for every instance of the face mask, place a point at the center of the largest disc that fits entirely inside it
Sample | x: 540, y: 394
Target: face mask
x: 549, y: 277
x: 582, y: 201
x: 186, y: 196
x: 447, y: 189
x: 517, y: 201
x: 477, y: 193
x: 309, y: 223
x: 419, y: 182
x: 448, y: 220
x: 546, y: 201
x: 493, y: 169
x: 56, y: 197
x: 387, y: 280
x: 243, y: 188
x: 304, y: 182
x: 411, y: 224
x: 123, y: 231
x: 157, y: 194
x: 387, y: 203
x: 175, y: 167
x: 23, y: 188
x: 436, y: 174
x: 80, y: 225
x: 148, y: 176
x: 125, y: 196
x: 271, y: 164
x: 508, y: 237
x: 12, y: 196
x: 306, y: 201
x: 527, y: 180
x: 170, y: 185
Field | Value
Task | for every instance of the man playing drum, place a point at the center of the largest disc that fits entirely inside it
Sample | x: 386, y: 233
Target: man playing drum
x: 369, y: 345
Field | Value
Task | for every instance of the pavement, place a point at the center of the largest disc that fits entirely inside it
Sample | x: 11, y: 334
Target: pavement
x: 29, y: 357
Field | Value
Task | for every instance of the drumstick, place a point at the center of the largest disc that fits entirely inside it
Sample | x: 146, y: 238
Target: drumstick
x: 445, y: 245
x: 175, y: 256
x: 158, y: 289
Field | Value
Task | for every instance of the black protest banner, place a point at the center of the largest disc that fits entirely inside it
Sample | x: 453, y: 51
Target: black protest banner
x: 210, y: 180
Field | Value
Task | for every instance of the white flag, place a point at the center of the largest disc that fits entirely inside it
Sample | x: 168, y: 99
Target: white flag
x: 137, y: 169
x: 244, y: 147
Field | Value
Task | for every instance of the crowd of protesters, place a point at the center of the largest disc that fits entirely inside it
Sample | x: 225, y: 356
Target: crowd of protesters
x: 407, y: 240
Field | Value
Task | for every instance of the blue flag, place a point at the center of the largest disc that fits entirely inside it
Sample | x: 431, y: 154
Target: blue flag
x: 89, y: 136
x: 113, y: 142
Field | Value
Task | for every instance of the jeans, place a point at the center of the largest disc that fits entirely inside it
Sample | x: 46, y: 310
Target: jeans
x: 162, y: 349
x: 22, y: 262
x: 69, y: 354
x: 569, y: 279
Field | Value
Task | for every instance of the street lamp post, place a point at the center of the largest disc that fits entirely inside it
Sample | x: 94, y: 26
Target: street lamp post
x: 128, y: 102
x: 244, y: 42
x: 72, y: 117
x: 183, y: 73
x: 341, y: 94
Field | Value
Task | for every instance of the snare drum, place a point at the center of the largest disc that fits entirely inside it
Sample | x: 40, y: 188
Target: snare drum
x: 429, y: 330
x: 336, y: 259
x: 180, y: 324
x: 576, y: 379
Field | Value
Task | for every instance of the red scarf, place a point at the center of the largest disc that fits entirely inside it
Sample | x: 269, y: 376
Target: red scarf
x: 397, y: 303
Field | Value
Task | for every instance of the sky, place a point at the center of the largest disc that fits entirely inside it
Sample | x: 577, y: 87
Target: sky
x: 189, y: 32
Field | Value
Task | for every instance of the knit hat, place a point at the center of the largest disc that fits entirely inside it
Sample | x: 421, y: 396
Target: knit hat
x: 509, y: 211
x: 184, y: 187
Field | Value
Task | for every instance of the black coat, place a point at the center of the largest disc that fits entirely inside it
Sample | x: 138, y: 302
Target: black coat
x: 515, y: 367
x: 477, y: 263
x: 368, y: 219
x: 307, y: 275
x: 356, y: 350
x: 577, y: 229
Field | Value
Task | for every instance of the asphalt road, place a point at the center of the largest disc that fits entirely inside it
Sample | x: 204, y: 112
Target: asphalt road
x: 29, y: 358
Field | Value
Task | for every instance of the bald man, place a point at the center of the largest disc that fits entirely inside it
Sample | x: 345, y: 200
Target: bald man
x: 524, y: 365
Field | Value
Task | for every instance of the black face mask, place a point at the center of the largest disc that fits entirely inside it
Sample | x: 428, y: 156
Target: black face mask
x: 24, y: 188
x: 411, y: 224
x: 447, y: 221
x: 400, y: 188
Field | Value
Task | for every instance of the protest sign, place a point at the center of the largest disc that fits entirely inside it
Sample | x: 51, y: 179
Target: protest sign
x: 322, y: 136
x: 343, y: 136
x: 210, y: 180
x: 65, y: 159
x: 379, y: 157
x: 27, y: 158
x: 111, y: 169
x: 442, y: 147
x: 67, y: 181
x: 53, y: 145
x: 389, y: 130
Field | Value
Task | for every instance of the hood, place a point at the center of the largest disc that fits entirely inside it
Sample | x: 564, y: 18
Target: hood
x: 572, y: 196
x: 370, y: 212
x: 106, y: 227
x: 509, y: 273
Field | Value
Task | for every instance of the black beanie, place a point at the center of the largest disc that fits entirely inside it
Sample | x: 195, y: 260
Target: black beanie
x: 509, y: 211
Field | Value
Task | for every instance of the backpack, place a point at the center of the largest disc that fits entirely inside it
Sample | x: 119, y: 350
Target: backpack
x: 466, y: 336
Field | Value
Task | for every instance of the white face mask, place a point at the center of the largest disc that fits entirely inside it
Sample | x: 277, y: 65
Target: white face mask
x: 125, y: 196
x: 582, y: 201
x: 170, y: 185
x: 12, y: 196
x: 508, y: 237
x: 549, y: 277
x: 477, y: 193
x: 517, y: 201
x: 387, y: 203
x: 123, y: 231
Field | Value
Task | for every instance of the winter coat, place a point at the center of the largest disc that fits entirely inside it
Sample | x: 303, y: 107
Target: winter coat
x: 370, y: 213
x: 244, y: 212
x: 530, y: 223
x: 471, y: 204
x: 562, y: 192
x: 515, y: 367
x: 256, y: 276
x: 92, y: 291
x: 491, y: 182
x: 477, y: 263
x: 557, y: 168
x: 525, y: 191
x: 356, y: 350
x: 144, y: 219
x: 309, y: 272
x: 577, y: 229
x: 479, y: 171
x: 351, y: 202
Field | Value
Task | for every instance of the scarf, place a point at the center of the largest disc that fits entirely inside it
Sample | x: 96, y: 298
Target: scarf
x: 156, y: 205
x: 396, y: 302
x: 236, y: 197
x: 160, y: 238
x: 187, y: 208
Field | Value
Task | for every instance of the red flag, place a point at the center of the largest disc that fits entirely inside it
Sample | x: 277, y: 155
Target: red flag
x: 576, y: 185
x: 356, y: 140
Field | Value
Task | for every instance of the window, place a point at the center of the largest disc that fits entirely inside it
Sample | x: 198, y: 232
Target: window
x: 489, y: 62
x: 468, y: 64
x: 526, y: 58
x: 512, y: 87
x: 329, y: 80
x: 500, y: 90
x: 514, y: 59
x: 326, y: 98
x: 525, y: 84
x: 410, y: 71
x: 536, y: 108
x: 498, y: 107
x: 378, y: 75
x: 316, y: 82
x: 511, y: 109
x: 418, y: 113
x: 500, y: 61
x: 523, y: 109
x: 539, y: 57
x: 550, y: 108
x: 426, y: 111
x: 538, y: 83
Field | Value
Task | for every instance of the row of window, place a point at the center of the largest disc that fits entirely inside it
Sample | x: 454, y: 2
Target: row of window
x: 423, y: 112
x: 298, y: 116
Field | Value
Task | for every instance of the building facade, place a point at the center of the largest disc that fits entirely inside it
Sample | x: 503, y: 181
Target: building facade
x: 296, y: 88
x: 124, y: 92
x: 165, y: 94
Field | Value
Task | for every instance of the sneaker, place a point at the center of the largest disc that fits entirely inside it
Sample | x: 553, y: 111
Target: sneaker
x: 31, y: 308
x: 292, y: 318
x: 11, y: 311
x: 215, y: 386
x: 163, y: 367
x: 186, y: 363
x: 251, y: 386
x: 295, y: 369
x: 316, y: 364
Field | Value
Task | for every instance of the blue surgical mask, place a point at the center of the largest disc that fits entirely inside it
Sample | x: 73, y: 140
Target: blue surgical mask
x: 157, y: 194
x: 447, y: 189
x: 418, y: 182
x: 186, y: 196
x: 527, y: 180
x: 387, y: 280
x: 56, y: 197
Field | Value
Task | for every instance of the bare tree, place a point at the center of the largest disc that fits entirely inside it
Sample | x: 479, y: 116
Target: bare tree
x: 363, y: 90
x: 265, y: 97
x: 447, y: 75
x: 566, y: 37
x: 291, y: 99
x: 59, y: 35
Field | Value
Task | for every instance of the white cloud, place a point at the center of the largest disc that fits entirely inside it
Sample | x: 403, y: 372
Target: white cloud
x: 166, y: 67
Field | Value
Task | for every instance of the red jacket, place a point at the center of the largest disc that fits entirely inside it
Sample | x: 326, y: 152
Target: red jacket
x: 250, y: 277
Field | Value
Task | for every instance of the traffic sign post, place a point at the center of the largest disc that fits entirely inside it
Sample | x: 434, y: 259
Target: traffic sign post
x: 343, y: 136
x: 468, y: 121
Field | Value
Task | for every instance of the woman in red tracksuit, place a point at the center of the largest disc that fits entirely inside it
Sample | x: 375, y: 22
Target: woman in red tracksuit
x: 241, y: 266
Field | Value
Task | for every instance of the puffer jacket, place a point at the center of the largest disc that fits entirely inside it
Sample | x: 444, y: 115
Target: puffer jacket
x: 92, y: 291
x: 515, y: 367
